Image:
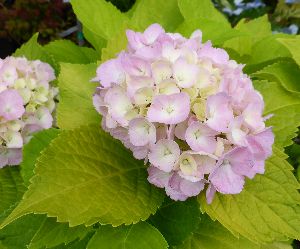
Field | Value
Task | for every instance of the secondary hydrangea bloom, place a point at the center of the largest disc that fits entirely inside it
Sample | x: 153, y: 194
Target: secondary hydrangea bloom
x: 187, y: 109
x: 26, y: 104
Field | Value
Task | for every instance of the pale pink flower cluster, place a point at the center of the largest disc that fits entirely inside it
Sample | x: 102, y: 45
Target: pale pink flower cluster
x: 187, y: 109
x: 26, y: 104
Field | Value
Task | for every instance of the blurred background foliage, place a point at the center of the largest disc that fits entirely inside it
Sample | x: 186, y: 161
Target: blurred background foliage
x: 20, y: 19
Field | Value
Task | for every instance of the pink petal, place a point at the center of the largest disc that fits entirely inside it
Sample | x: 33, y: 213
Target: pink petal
x: 191, y: 188
x: 164, y: 154
x: 141, y: 132
x: 219, y: 112
x: 14, y: 156
x: 11, y: 105
x: 180, y: 188
x: 135, y: 66
x: 241, y: 160
x: 161, y: 70
x: 237, y: 135
x: 110, y: 72
x: 226, y: 181
x: 135, y: 83
x: 152, y: 33
x: 217, y: 55
x: 173, y: 188
x: 134, y: 39
x: 3, y: 156
x: 253, y: 117
x: 201, y: 138
x: 185, y: 74
x: 210, y: 193
x: 258, y: 168
x: 261, y: 144
x: 119, y: 104
x: 169, y: 109
x: 158, y: 177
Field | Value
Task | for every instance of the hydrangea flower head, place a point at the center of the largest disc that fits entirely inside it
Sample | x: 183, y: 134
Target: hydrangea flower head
x: 26, y: 104
x: 186, y: 109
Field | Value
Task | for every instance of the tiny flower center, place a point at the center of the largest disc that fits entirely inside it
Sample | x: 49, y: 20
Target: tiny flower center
x: 167, y: 152
x: 197, y: 134
x: 169, y: 109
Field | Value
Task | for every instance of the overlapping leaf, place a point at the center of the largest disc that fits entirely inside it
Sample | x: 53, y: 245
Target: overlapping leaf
x: 11, y: 189
x: 19, y: 234
x: 97, y: 41
x: 284, y: 106
x: 147, y: 12
x: 32, y: 150
x: 52, y: 233
x: 217, y: 32
x: 267, y: 209
x: 285, y: 73
x: 32, y: 50
x: 139, y: 236
x: 194, y: 9
x: 100, y: 17
x: 177, y: 220
x: 204, y: 16
x: 252, y: 31
x: 212, y: 235
x: 85, y: 176
x: 38, y: 231
x: 67, y: 51
x: 293, y: 45
x: 75, y: 106
x: 265, y: 52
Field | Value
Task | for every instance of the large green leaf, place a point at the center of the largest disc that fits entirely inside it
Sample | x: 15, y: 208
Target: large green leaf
x: 97, y: 41
x: 177, y: 220
x: 99, y: 16
x: 38, y: 231
x: 86, y: 176
x: 267, y: 209
x: 138, y: 236
x: 284, y: 106
x: 11, y: 188
x: 75, y: 106
x: 114, y: 46
x: 67, y: 51
x: 194, y: 9
x: 253, y: 31
x: 82, y: 243
x: 256, y: 28
x: 147, y: 12
x: 293, y: 45
x: 285, y: 73
x: 52, y: 233
x: 32, y: 150
x: 266, y: 51
x: 19, y: 233
x: 32, y: 50
x: 212, y: 235
x: 217, y: 32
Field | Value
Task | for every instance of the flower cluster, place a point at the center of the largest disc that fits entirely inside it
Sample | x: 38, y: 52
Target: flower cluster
x: 188, y: 109
x: 26, y: 104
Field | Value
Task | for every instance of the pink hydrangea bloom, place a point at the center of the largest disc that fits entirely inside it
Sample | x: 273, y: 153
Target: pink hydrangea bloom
x: 186, y: 109
x: 26, y: 104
